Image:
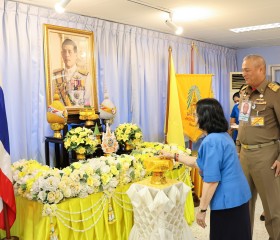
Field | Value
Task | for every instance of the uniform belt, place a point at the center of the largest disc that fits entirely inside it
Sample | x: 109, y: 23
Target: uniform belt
x: 245, y: 146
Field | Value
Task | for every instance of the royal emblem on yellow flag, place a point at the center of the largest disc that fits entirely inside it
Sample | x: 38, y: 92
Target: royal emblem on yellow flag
x: 191, y: 88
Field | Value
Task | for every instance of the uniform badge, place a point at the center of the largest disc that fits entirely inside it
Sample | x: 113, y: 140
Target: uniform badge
x: 257, y: 121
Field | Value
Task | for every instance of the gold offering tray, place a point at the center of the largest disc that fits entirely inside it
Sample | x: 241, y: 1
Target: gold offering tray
x: 158, y: 167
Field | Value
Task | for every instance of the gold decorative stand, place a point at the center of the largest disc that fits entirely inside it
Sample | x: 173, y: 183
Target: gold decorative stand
x: 88, y: 114
x: 158, y: 167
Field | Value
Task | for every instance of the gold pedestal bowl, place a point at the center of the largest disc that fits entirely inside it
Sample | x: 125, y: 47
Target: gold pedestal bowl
x: 88, y: 114
x: 158, y: 167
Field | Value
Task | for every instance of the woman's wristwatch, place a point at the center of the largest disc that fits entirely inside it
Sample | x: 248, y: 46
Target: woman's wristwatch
x: 202, y: 210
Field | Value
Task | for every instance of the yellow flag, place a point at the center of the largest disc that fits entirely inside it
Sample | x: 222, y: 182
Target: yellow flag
x: 191, y: 88
x: 173, y: 123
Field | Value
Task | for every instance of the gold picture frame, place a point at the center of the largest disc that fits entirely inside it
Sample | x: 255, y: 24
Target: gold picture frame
x: 70, y: 67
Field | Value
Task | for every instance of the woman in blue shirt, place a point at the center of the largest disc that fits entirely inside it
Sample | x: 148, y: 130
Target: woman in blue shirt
x: 225, y: 187
x: 235, y: 115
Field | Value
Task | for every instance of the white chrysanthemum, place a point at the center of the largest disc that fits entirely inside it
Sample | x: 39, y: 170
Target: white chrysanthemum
x: 76, y: 175
x: 51, y: 197
x: 58, y: 196
x: 113, y: 182
x: 75, y: 188
x: 42, y: 196
x: 16, y: 175
x: 105, y: 169
x: 83, y: 193
x: 35, y: 188
x: 66, y: 192
x: 96, y: 180
x: 90, y: 190
x: 51, y: 183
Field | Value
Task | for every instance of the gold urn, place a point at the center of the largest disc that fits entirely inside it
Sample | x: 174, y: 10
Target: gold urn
x: 158, y: 167
x: 57, y: 116
x: 88, y: 114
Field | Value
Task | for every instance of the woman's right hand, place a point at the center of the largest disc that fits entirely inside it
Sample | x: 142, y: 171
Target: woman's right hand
x: 166, y: 154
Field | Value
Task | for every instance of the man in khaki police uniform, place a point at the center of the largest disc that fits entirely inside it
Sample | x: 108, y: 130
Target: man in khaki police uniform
x: 257, y: 142
x: 72, y: 83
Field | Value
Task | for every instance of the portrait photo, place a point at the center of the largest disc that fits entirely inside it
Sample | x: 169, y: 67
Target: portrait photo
x: 245, y: 111
x: 70, y: 68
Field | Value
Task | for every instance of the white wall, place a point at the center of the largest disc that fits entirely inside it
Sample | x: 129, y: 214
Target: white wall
x: 270, y: 54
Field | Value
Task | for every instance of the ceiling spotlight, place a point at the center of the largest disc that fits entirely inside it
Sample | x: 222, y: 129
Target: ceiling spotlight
x: 178, y: 30
x: 60, y: 6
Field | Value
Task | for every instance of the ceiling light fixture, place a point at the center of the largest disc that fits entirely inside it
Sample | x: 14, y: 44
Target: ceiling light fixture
x: 255, y: 28
x: 60, y: 6
x: 178, y: 30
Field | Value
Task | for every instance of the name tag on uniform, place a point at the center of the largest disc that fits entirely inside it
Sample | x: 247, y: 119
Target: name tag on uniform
x: 257, y: 121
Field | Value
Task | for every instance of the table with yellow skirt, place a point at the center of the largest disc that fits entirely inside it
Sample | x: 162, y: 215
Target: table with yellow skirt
x: 99, y: 216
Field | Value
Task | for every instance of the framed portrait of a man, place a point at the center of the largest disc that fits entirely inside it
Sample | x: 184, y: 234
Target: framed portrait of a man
x: 69, y: 65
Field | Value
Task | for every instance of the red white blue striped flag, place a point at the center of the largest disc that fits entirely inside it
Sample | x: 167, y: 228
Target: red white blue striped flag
x: 6, y: 183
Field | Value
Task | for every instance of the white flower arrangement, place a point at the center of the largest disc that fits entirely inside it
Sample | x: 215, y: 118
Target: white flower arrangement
x: 128, y: 133
x: 38, y: 182
x: 50, y: 185
x: 81, y: 140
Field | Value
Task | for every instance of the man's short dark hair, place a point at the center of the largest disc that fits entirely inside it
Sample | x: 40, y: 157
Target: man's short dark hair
x: 68, y: 41
x: 211, y: 117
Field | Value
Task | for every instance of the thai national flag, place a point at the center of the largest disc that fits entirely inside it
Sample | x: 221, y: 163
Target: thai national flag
x: 6, y: 184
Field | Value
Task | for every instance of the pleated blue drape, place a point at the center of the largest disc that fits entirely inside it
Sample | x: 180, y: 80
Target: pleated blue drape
x: 131, y: 63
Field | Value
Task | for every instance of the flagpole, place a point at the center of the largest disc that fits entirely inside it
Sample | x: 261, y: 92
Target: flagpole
x: 192, y: 72
x: 168, y: 95
x: 6, y: 222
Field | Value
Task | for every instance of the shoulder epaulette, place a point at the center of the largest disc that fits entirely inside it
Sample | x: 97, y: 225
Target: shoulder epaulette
x: 273, y: 86
x: 83, y: 72
x: 57, y: 70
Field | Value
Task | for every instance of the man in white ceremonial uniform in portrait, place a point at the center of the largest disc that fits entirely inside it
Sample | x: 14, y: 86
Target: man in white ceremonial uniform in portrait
x: 73, y: 84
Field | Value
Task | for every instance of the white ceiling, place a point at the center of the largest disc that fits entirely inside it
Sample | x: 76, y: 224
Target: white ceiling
x: 226, y: 14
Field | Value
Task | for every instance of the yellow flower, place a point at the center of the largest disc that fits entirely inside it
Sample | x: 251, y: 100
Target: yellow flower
x: 67, y: 171
x: 80, y: 140
x: 81, y: 150
x: 77, y: 165
x: 67, y: 143
x: 89, y: 171
x: 73, y: 138
x: 29, y: 184
x: 114, y: 170
x: 90, y: 181
x: 138, y: 135
x: 128, y: 132
x: 105, y: 177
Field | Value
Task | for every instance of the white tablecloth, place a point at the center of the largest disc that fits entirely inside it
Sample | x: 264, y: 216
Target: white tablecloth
x: 159, y: 211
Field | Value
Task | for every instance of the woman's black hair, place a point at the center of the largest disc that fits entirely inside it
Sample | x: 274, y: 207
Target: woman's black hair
x: 211, y: 117
x: 235, y: 95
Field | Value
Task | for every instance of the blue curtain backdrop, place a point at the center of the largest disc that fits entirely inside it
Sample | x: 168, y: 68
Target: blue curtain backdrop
x: 131, y: 62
